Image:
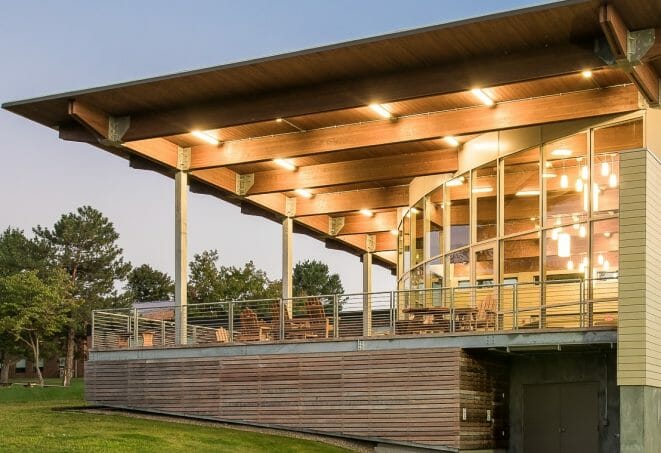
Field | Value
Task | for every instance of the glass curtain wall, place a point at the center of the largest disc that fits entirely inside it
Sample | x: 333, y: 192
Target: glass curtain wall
x: 551, y: 212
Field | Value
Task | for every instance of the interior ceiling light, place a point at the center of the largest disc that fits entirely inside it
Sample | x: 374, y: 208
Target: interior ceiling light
x: 612, y: 180
x: 303, y: 193
x: 450, y: 140
x: 585, y: 173
x: 206, y: 137
x: 527, y: 193
x: 586, y: 74
x: 415, y: 210
x: 564, y: 245
x: 561, y: 152
x: 366, y: 212
x: 394, y: 232
x: 605, y: 169
x: 486, y: 189
x: 455, y: 182
x: 482, y: 96
x: 286, y: 164
x: 548, y: 175
x: 564, y: 181
x: 381, y: 110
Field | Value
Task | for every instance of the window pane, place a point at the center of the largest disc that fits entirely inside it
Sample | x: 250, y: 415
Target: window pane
x: 417, y: 232
x: 406, y: 243
x: 568, y: 193
x: 605, y: 267
x: 608, y: 142
x: 459, y: 268
x: 521, y: 197
x: 435, y: 210
x: 484, y: 195
x: 521, y: 266
x: 459, y: 211
x: 418, y: 277
x: 567, y: 252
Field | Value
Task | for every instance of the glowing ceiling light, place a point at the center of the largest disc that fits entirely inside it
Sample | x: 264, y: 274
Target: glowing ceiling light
x: 415, y: 210
x: 606, y: 264
x: 381, y: 110
x: 564, y: 181
x: 581, y: 267
x: 579, y: 185
x: 582, y: 231
x: 586, y: 74
x: 555, y: 232
x: 605, y: 169
x: 450, y: 140
x: 607, y: 234
x: 394, y: 232
x: 527, y: 193
x: 561, y: 152
x: 612, y: 180
x: 600, y: 259
x: 576, y: 226
x: 286, y: 164
x: 483, y: 97
x: 455, y: 182
x: 278, y: 120
x: 303, y: 193
x: 206, y: 137
x: 485, y: 189
x: 366, y: 212
x: 570, y: 265
x: 549, y: 175
x: 585, y: 173
x: 564, y: 245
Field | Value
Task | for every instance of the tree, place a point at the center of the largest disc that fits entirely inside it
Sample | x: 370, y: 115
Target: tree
x: 84, y: 244
x: 313, y: 278
x: 146, y: 284
x: 17, y: 254
x: 209, y: 282
x: 32, y: 309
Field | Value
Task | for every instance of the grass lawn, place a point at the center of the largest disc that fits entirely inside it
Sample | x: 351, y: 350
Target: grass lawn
x: 29, y: 423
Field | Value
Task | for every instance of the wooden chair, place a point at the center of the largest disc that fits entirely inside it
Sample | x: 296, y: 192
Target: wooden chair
x: 222, y: 335
x: 486, y: 314
x: 147, y: 339
x: 319, y: 323
x: 251, y: 328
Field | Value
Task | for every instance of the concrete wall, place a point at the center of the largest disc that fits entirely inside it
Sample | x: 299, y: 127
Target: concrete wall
x: 558, y: 367
x: 641, y: 416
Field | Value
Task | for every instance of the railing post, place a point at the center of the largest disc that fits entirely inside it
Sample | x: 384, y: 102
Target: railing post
x: 281, y: 320
x: 452, y: 314
x: 336, y: 315
x: 515, y: 306
x: 93, y: 330
x: 135, y: 327
x: 163, y: 332
x: 581, y: 303
x: 393, y: 317
x: 230, y: 321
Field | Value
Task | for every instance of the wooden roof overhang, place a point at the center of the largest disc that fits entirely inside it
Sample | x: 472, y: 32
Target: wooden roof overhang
x: 311, y: 107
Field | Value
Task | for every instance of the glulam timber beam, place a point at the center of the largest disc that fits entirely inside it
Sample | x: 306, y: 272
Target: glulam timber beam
x: 383, y: 242
x: 629, y: 50
x: 527, y: 112
x: 449, y: 77
x: 109, y: 129
x: 351, y: 172
x: 354, y: 200
x: 357, y: 224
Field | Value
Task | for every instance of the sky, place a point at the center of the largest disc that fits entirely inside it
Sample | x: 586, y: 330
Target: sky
x: 51, y: 46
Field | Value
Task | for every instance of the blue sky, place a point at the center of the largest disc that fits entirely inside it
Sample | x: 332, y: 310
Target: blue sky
x: 58, y: 45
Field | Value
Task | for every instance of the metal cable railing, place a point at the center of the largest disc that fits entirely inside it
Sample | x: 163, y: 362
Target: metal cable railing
x: 551, y: 304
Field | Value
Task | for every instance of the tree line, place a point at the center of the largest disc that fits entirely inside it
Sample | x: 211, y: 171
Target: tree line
x: 51, y: 282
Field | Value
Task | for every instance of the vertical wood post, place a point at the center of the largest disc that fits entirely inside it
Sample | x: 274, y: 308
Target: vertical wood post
x: 367, y: 284
x: 180, y: 255
x: 287, y: 266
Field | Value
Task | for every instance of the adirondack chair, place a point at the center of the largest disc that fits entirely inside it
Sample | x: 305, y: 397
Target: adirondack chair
x: 222, y: 335
x: 294, y: 328
x: 319, y: 323
x: 251, y: 329
x: 486, y: 314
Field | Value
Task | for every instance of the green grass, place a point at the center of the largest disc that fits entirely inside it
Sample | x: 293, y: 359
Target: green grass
x: 30, y: 421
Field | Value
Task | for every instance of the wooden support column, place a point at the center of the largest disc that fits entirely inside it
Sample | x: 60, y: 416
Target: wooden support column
x: 370, y: 243
x: 287, y: 254
x: 181, y: 245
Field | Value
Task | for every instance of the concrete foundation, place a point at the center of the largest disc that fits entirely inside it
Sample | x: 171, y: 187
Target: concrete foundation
x: 640, y: 412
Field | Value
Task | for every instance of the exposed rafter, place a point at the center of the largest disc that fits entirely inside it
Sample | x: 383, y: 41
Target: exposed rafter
x: 630, y: 49
x: 473, y: 120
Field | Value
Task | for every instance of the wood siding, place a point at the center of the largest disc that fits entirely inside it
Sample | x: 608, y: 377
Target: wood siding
x: 639, y: 332
x: 403, y: 395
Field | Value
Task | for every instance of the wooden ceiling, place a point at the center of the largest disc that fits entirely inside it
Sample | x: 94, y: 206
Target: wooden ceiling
x: 311, y: 108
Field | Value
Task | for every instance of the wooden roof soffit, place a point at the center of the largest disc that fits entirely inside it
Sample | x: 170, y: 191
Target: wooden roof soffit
x: 109, y: 130
x: 344, y: 202
x: 528, y: 112
x: 632, y: 51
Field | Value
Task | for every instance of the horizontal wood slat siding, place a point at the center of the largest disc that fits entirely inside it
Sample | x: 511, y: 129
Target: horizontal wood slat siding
x: 410, y: 395
x: 484, y: 386
x: 639, y: 332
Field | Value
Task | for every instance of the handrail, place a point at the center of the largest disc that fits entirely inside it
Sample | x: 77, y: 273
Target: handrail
x: 493, y: 307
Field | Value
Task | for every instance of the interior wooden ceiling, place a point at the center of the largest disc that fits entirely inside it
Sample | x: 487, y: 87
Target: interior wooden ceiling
x: 330, y: 87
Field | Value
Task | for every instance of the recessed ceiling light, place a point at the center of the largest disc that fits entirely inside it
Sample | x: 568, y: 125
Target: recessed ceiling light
x: 450, y: 140
x: 394, y: 232
x: 206, y: 137
x: 303, y: 193
x: 366, y: 212
x: 548, y: 175
x: 561, y: 152
x: 482, y: 189
x: 586, y: 74
x: 381, y: 110
x: 527, y: 193
x: 286, y: 164
x: 455, y: 182
x: 482, y: 96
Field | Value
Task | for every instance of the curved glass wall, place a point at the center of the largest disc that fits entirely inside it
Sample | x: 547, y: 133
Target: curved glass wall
x: 545, y: 213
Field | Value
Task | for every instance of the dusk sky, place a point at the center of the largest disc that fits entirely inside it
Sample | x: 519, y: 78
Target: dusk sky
x: 48, y: 47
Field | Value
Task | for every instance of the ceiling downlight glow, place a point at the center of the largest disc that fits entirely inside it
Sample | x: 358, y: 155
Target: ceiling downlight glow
x: 366, y: 212
x: 450, y: 140
x: 483, y: 97
x: 206, y: 137
x: 284, y: 163
x: 455, y: 182
x: 561, y: 152
x: 381, y: 110
x: 304, y: 193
